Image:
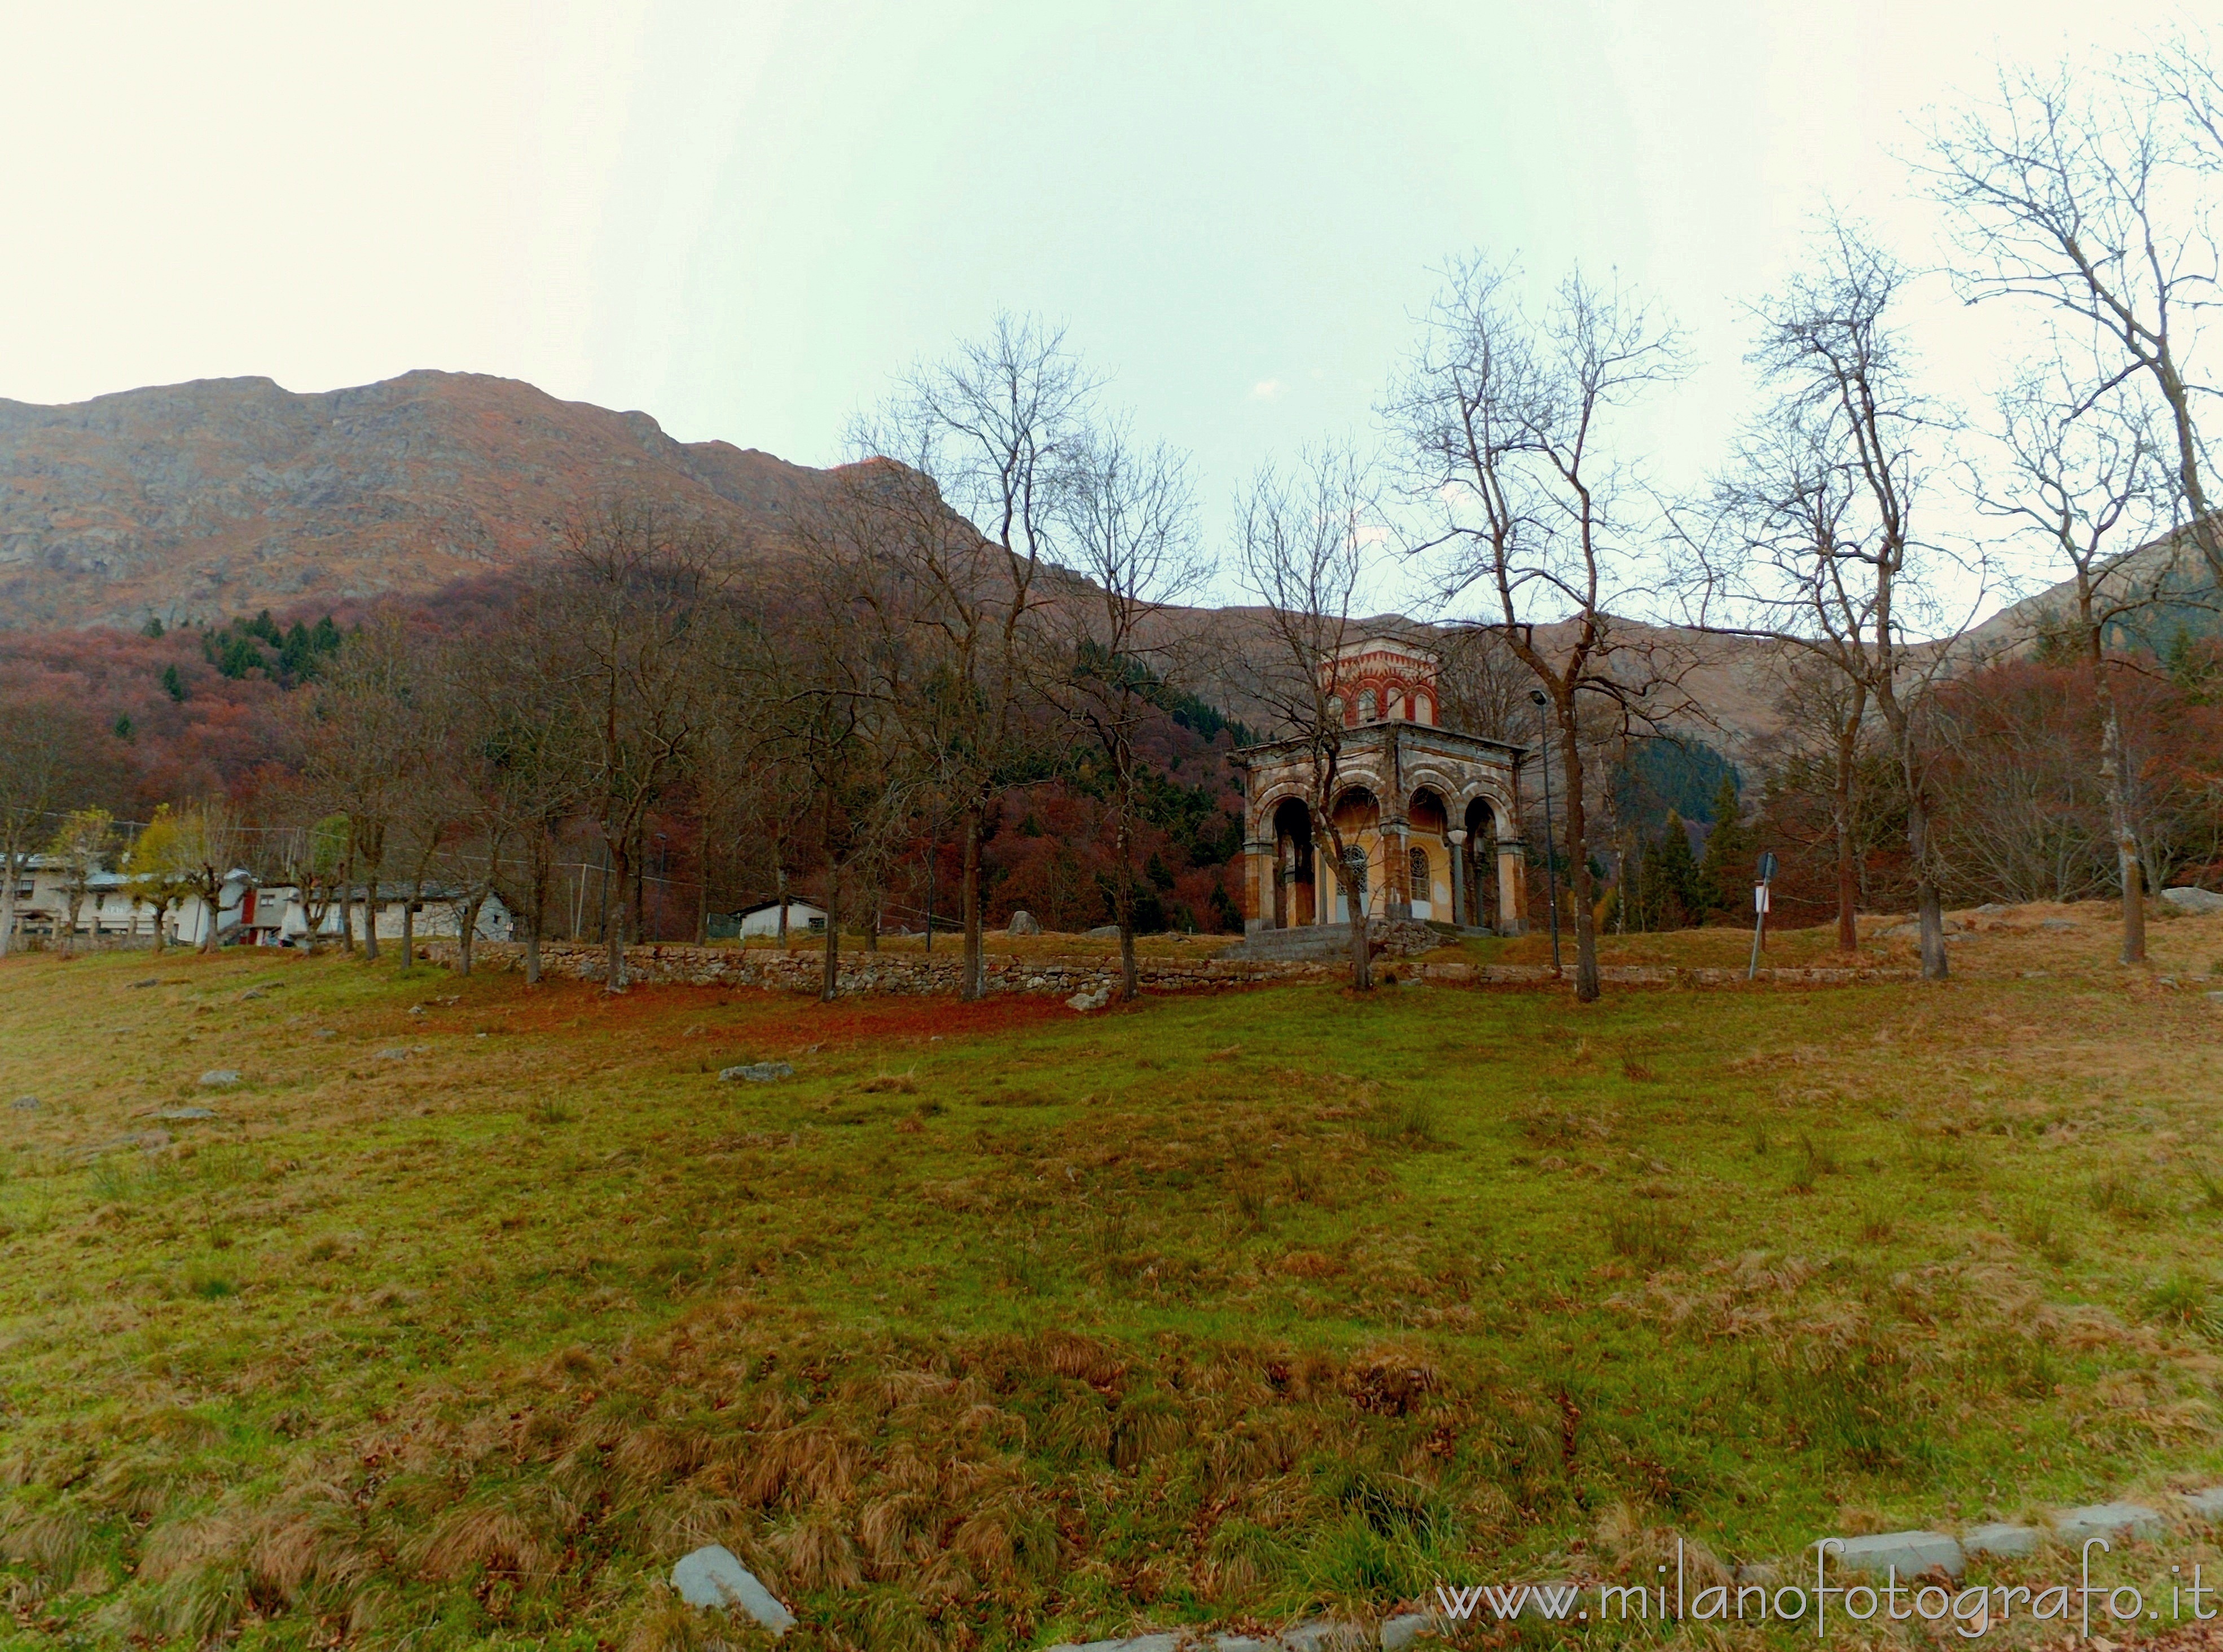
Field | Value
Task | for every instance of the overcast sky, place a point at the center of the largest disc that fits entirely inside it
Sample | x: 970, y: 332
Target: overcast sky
x: 743, y: 217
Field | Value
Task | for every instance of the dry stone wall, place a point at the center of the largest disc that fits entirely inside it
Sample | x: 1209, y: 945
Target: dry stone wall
x: 1071, y: 977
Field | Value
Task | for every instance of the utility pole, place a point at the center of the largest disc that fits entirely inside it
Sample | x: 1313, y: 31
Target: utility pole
x: 1550, y: 853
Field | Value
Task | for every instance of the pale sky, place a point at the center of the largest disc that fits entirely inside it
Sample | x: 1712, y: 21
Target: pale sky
x: 744, y: 218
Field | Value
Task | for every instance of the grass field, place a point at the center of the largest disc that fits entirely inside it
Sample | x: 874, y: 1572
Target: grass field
x: 474, y: 1307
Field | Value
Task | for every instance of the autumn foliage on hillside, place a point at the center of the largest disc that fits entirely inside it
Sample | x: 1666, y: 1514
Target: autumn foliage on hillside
x: 2012, y: 754
x: 181, y: 715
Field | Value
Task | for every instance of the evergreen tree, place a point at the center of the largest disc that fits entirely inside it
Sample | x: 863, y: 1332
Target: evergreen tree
x: 174, y: 684
x: 1731, y: 849
x: 1672, y: 882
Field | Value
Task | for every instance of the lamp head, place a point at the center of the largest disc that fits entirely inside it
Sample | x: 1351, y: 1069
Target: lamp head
x: 1536, y: 697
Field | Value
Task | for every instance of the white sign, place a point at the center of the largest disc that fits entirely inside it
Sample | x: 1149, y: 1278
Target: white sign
x: 1760, y: 897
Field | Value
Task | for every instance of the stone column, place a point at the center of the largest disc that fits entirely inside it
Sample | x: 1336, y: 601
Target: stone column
x: 1397, y: 872
x: 1512, y: 886
x: 1258, y: 886
x: 1457, y: 839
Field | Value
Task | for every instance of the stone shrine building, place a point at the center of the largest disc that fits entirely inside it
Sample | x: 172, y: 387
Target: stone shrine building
x: 1435, y: 811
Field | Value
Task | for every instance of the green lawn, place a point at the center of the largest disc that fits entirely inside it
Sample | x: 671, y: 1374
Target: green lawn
x: 997, y: 1323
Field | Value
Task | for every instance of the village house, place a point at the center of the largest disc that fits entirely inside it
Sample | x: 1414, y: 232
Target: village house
x: 248, y: 911
x: 1432, y: 812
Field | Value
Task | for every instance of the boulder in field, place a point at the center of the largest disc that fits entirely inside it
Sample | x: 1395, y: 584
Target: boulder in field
x: 756, y: 1072
x: 218, y: 1078
x: 711, y: 1577
x: 1025, y: 923
x: 2199, y: 902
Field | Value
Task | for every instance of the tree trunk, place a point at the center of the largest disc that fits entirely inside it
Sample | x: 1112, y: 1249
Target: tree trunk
x: 1848, y: 928
x: 613, y: 935
x: 409, y: 925
x: 779, y: 888
x: 466, y: 929
x: 638, y: 925
x: 1353, y: 880
x: 830, y: 984
x: 535, y: 914
x: 972, y: 977
x: 2114, y: 776
x: 8, y: 906
x: 1578, y: 865
x: 370, y: 917
x: 703, y: 909
x: 1130, y: 978
x: 1929, y: 906
x: 211, y: 897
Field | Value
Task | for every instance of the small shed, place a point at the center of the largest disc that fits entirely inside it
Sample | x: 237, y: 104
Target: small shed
x: 763, y: 919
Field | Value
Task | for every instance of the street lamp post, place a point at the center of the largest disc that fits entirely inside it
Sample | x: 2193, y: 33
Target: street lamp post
x: 1550, y: 853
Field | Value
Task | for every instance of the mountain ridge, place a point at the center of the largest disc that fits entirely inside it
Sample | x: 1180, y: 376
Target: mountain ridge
x: 219, y: 496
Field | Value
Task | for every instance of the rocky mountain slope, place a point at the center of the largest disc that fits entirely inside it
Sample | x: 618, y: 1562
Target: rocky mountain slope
x: 206, y: 500
x: 214, y: 499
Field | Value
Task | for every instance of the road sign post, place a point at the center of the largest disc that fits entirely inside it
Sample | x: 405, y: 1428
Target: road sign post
x: 1764, y: 874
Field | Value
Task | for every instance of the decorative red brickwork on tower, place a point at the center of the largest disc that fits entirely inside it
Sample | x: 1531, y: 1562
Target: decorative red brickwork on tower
x: 1382, y: 680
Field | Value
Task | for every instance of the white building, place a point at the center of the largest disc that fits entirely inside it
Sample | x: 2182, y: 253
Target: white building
x: 803, y: 918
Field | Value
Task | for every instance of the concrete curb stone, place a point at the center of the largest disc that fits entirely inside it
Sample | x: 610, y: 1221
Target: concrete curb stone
x: 2002, y: 1540
x: 1908, y: 1552
x: 2106, y: 1520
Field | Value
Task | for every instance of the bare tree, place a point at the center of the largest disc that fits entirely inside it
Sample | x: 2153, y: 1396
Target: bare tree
x: 1509, y: 425
x: 357, y: 732
x: 41, y: 748
x: 1824, y: 553
x: 633, y: 590
x: 1131, y: 530
x: 2084, y: 475
x: 80, y: 849
x: 1483, y: 684
x: 813, y: 699
x: 963, y: 525
x: 1302, y: 539
x: 205, y: 848
x: 522, y: 752
x: 2089, y: 198
x: 1823, y: 708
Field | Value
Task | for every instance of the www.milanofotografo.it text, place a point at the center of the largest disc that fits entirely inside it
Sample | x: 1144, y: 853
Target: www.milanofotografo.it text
x: 1970, y: 1610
